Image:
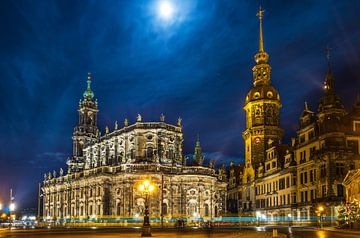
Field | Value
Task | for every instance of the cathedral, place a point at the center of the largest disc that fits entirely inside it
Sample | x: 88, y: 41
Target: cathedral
x: 276, y: 181
x: 105, y: 171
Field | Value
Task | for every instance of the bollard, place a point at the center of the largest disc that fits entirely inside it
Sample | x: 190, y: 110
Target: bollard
x: 275, y: 233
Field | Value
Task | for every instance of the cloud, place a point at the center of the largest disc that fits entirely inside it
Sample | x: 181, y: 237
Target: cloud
x: 48, y: 160
x: 219, y: 157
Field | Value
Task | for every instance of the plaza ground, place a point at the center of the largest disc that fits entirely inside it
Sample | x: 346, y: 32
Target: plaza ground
x: 258, y: 232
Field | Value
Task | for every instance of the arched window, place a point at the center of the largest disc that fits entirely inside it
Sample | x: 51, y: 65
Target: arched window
x: 171, y: 153
x: 206, y: 208
x: 149, y: 152
x: 164, y: 209
x: 192, y: 207
x: 132, y: 154
x: 91, y: 210
x: 118, y: 209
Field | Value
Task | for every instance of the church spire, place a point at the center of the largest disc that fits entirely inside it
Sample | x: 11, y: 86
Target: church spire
x: 306, y: 108
x: 88, y: 92
x: 260, y: 14
x: 198, y: 155
x: 262, y: 70
x: 329, y: 79
x: 261, y: 57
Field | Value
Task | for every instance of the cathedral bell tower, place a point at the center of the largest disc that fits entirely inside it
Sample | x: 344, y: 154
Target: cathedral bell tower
x: 86, y: 131
x: 262, y: 109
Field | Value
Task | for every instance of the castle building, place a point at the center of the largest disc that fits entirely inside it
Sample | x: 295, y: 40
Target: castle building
x: 105, y: 171
x: 280, y: 180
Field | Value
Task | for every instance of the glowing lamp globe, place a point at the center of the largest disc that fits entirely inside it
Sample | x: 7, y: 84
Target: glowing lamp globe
x: 12, y: 207
x: 146, y: 183
x: 151, y: 188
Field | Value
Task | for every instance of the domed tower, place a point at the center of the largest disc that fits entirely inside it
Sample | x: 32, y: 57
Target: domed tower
x: 86, y: 131
x: 262, y: 108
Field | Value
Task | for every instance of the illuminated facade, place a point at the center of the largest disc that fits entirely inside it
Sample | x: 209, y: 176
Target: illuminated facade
x: 277, y: 180
x: 105, y: 171
x: 294, y: 180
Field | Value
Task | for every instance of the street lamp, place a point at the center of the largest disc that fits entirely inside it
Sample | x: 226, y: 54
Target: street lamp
x: 12, y: 207
x: 11, y: 210
x: 146, y: 188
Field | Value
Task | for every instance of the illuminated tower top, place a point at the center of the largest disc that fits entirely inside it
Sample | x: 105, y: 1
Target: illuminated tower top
x: 88, y: 92
x: 330, y: 103
x: 261, y: 71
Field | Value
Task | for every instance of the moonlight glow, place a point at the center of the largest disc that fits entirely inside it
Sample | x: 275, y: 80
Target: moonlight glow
x: 166, y: 10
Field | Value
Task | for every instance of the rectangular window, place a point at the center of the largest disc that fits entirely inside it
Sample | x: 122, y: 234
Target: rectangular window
x: 323, y: 170
x: 301, y: 178
x: 340, y: 190
x: 311, y: 134
x: 305, y: 177
x: 323, y: 190
x: 288, y: 181
x: 281, y: 184
x: 340, y: 169
x: 306, y: 196
x: 288, y: 198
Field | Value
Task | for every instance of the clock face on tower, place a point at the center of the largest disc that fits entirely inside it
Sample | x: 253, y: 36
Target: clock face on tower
x: 257, y: 140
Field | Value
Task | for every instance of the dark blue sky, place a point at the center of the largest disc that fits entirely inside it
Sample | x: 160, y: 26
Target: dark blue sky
x: 197, y: 66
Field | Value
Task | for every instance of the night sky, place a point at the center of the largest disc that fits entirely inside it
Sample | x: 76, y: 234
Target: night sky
x: 196, y: 65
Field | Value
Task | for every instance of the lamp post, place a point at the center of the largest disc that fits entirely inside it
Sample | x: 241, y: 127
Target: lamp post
x: 289, y: 218
x: 0, y: 211
x: 146, y: 188
x: 11, y: 208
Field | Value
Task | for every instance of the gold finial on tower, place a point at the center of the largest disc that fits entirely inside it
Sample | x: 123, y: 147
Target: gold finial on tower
x: 260, y: 14
x: 261, y: 56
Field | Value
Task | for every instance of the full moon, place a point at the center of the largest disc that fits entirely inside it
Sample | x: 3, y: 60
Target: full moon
x: 166, y: 10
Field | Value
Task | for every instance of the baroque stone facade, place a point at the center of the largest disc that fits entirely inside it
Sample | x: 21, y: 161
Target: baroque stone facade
x: 105, y: 171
